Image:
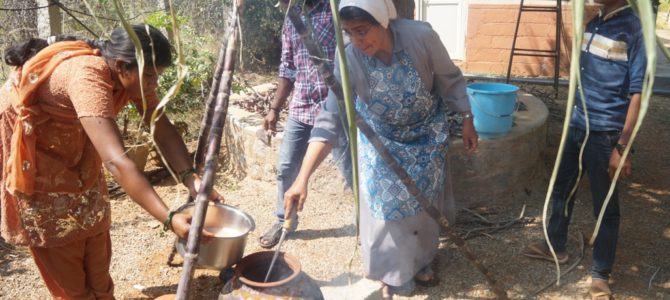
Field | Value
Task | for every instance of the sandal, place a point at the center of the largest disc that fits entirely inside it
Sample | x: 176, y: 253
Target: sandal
x: 600, y: 290
x: 426, y: 277
x: 272, y: 236
x: 541, y: 251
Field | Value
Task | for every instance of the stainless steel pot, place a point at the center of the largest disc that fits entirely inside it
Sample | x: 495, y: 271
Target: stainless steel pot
x: 231, y: 227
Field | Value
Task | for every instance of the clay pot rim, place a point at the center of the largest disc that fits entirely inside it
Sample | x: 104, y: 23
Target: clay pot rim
x: 251, y: 260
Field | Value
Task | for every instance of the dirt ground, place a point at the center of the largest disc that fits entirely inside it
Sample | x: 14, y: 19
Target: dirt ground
x: 325, y: 242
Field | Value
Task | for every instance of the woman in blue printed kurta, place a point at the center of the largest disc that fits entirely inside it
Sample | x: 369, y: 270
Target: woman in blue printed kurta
x: 403, y: 81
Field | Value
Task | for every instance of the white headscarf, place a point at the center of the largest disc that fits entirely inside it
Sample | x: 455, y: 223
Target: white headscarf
x: 382, y: 10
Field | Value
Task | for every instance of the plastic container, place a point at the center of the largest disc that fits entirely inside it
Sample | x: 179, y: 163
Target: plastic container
x: 493, y: 105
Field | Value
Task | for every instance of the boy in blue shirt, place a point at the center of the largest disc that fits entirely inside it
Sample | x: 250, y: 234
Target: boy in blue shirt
x: 613, y: 62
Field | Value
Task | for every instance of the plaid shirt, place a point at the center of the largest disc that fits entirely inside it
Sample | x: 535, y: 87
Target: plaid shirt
x: 309, y: 88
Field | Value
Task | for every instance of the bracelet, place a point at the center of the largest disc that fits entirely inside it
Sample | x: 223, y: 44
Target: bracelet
x: 467, y: 115
x: 277, y: 110
x: 167, y: 224
x: 184, y: 173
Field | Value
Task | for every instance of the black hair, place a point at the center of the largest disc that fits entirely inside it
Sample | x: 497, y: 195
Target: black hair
x: 353, y: 13
x: 155, y: 46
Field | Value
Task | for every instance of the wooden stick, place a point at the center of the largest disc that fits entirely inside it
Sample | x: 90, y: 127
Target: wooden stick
x: 213, y: 147
x: 391, y: 161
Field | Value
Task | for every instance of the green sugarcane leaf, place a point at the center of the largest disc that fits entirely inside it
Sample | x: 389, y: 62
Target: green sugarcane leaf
x: 578, y: 24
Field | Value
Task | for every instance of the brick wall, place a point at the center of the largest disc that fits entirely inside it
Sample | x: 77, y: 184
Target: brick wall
x: 491, y: 30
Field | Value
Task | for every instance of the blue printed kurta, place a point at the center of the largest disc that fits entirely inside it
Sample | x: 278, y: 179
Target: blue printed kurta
x: 404, y: 103
x: 408, y: 120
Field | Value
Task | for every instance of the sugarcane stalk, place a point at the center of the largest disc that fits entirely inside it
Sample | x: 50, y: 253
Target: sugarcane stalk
x: 587, y: 125
x: 214, y: 145
x: 349, y: 108
x: 203, y: 133
x: 578, y: 23
x: 402, y: 174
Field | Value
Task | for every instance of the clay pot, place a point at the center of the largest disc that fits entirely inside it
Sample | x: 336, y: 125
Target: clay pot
x: 287, y: 281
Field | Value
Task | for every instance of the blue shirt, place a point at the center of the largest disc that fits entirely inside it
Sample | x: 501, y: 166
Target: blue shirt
x: 613, y: 63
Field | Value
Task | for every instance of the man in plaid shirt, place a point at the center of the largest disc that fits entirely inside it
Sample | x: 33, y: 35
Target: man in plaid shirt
x: 298, y: 74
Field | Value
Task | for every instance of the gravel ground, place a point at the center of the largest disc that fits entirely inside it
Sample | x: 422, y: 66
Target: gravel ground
x: 325, y: 242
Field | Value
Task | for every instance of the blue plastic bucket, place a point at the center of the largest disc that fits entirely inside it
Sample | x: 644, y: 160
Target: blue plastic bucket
x: 493, y: 105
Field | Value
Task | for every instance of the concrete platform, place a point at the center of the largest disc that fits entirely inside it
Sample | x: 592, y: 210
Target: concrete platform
x: 499, y: 167
x: 503, y: 165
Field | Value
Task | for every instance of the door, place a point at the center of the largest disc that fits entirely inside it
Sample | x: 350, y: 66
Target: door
x: 449, y: 20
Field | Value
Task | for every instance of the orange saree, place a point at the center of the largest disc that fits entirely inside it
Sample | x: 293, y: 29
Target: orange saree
x: 53, y: 191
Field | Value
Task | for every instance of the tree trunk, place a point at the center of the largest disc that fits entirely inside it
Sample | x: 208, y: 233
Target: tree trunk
x: 49, y: 20
x: 405, y: 8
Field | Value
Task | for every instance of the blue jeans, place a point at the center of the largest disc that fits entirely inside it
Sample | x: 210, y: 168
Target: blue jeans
x: 291, y: 153
x: 596, y: 162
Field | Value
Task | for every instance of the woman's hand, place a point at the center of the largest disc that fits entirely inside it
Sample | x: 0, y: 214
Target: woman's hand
x: 193, y: 183
x: 181, y: 224
x: 295, y: 197
x: 615, y: 158
x: 470, y: 138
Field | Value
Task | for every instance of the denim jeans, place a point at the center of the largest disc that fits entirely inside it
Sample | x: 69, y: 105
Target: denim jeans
x: 291, y: 153
x: 595, y: 163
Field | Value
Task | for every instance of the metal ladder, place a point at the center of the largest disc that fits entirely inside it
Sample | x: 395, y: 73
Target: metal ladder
x: 555, y: 53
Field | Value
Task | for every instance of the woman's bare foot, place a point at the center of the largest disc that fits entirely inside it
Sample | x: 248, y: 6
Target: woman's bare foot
x: 426, y: 277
